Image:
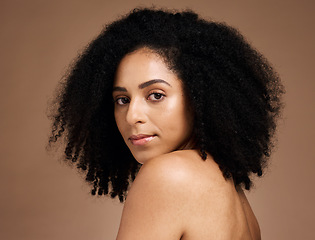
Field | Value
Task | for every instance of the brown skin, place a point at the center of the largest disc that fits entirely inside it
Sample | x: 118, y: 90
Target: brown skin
x: 150, y: 101
x: 176, y: 195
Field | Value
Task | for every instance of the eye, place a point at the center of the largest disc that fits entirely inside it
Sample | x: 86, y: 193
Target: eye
x: 155, y: 96
x: 122, y: 101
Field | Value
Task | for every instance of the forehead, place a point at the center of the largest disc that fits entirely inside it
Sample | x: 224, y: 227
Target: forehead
x: 143, y: 65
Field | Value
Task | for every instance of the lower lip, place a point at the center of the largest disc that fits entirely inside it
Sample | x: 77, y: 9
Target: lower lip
x: 141, y: 141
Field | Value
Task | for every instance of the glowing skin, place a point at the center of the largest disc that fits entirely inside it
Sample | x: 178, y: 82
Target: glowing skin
x: 151, y: 110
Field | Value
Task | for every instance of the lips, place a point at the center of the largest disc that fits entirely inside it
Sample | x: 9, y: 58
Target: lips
x: 141, y: 139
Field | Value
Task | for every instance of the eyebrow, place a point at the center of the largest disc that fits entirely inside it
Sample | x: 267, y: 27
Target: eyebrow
x: 119, y: 89
x: 142, y: 85
x: 153, y: 81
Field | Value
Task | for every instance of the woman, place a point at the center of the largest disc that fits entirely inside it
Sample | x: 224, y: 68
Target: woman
x: 182, y: 108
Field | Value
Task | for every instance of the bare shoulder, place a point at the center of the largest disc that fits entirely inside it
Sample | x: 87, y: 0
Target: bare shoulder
x: 185, y: 168
x: 180, y: 196
x: 177, y: 167
x: 157, y: 203
x: 168, y: 177
x: 185, y: 174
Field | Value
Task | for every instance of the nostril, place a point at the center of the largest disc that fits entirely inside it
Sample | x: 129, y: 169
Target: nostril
x: 135, y: 115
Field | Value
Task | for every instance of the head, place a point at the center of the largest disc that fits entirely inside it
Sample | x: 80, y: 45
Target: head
x: 152, y: 111
x: 214, y: 84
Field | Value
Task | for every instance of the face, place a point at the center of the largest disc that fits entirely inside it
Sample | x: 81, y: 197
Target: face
x: 151, y: 109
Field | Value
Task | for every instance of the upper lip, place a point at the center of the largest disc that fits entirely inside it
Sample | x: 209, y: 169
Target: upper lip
x: 140, y: 136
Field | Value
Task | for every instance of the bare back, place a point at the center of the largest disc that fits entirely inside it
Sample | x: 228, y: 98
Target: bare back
x: 242, y: 223
x: 181, y: 196
x: 234, y: 216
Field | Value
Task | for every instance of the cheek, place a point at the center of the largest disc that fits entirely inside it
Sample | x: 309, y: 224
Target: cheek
x: 184, y: 119
x: 175, y: 117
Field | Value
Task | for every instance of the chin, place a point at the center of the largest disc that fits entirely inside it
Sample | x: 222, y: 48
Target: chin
x: 142, y: 157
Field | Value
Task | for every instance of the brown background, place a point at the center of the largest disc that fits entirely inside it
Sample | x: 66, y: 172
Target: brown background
x: 42, y: 198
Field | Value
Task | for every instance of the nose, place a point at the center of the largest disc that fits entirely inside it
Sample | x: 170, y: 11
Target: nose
x: 136, y: 113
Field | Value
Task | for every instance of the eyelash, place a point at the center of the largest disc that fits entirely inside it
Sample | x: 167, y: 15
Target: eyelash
x: 119, y: 99
x: 155, y: 94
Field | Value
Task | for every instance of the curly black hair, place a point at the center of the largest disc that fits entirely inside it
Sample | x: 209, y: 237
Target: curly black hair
x: 233, y: 90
